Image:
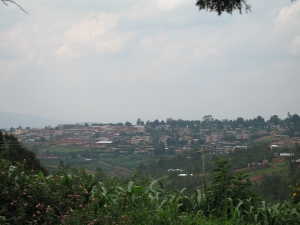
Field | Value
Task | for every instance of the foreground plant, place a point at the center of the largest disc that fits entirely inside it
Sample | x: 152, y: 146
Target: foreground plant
x: 29, y: 197
x: 74, y: 197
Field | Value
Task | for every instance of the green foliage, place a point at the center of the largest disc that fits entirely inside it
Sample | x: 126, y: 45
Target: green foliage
x: 12, y: 150
x: 71, y: 196
x: 30, y: 197
x: 254, y: 154
x: 227, y: 188
x: 273, y: 188
x: 97, y: 135
x: 295, y: 193
x: 221, y: 6
x: 128, y: 124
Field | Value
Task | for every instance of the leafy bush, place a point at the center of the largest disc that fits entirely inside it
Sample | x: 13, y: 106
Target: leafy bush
x: 71, y: 196
x: 28, y: 197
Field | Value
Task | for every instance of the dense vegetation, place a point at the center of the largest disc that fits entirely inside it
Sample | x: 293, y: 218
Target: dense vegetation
x: 71, y: 196
x: 12, y: 150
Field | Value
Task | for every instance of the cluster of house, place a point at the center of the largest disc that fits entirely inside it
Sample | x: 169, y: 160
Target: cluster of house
x: 115, y: 137
x: 72, y: 135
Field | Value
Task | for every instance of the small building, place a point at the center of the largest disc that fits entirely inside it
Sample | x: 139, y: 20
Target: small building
x: 242, y: 136
x: 20, y: 131
x: 141, y: 140
x: 286, y: 154
x: 69, y: 142
x: 185, y: 175
x: 182, y: 175
x: 274, y: 146
x: 213, y: 138
x: 103, y: 143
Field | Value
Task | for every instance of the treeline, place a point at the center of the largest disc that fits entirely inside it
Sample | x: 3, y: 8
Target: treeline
x: 292, y: 122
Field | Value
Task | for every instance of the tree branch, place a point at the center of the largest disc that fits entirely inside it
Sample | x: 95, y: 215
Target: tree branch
x: 228, y: 6
x: 223, y: 5
x: 13, y: 2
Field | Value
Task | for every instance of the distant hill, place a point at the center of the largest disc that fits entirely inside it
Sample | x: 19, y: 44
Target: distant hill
x: 8, y: 120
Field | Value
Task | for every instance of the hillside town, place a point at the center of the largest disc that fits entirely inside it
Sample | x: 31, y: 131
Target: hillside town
x: 159, y: 137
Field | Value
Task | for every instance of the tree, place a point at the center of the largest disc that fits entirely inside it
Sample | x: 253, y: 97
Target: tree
x: 155, y: 123
x: 221, y: 6
x: 226, y: 184
x: 208, y: 118
x: 139, y: 122
x: 274, y: 119
x: 295, y: 118
x: 259, y: 121
x: 12, y: 150
x: 240, y: 121
x: 170, y: 142
x: 13, y: 2
x: 97, y: 135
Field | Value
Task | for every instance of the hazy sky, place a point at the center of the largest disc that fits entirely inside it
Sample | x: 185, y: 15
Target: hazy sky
x: 119, y: 60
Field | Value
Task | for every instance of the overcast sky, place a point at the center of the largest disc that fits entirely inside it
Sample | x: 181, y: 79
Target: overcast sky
x: 119, y: 60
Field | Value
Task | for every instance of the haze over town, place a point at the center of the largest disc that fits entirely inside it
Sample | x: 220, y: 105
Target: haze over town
x: 116, y: 61
x: 150, y: 112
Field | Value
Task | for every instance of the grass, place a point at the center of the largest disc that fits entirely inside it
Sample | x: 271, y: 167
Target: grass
x: 130, y: 161
x: 275, y: 168
x: 119, y: 166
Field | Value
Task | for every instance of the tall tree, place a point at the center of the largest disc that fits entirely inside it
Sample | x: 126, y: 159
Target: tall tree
x: 139, y: 122
x: 274, y: 119
x: 128, y: 124
x: 208, y: 118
